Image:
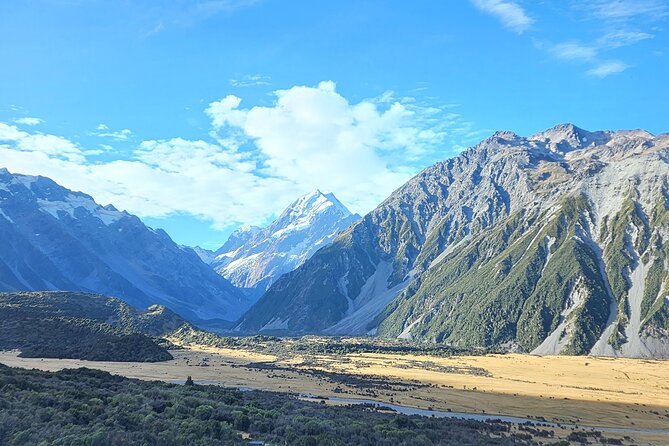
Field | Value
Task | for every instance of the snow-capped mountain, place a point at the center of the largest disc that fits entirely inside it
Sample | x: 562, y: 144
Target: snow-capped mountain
x: 553, y: 243
x: 253, y: 258
x: 52, y: 238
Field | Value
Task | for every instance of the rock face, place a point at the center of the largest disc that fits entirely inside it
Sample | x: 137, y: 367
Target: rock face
x: 52, y: 238
x: 553, y: 243
x: 253, y: 258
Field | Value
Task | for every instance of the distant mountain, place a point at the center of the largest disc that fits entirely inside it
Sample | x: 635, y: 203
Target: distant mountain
x: 553, y: 243
x: 206, y: 255
x: 253, y: 258
x: 78, y: 325
x: 52, y: 238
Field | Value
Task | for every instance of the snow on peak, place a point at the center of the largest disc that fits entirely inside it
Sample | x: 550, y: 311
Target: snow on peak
x: 73, y: 202
x: 306, y: 225
x: 314, y: 203
x: 247, y: 228
x: 54, y: 199
x: 305, y: 210
x: 7, y: 179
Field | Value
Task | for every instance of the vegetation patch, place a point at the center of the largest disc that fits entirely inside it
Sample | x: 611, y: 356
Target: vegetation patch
x: 82, y: 326
x: 90, y: 407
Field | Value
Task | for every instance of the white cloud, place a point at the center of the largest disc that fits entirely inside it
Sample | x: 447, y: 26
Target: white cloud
x: 573, y: 51
x: 621, y: 10
x: 50, y: 145
x: 28, y: 121
x: 576, y: 51
x: 511, y: 14
x: 120, y: 135
x: 250, y: 81
x: 608, y: 68
x: 619, y: 39
x: 313, y: 137
x: 260, y: 159
x: 165, y: 177
x: 619, y: 23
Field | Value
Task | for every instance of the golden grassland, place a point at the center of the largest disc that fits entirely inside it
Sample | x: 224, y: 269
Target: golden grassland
x: 580, y: 390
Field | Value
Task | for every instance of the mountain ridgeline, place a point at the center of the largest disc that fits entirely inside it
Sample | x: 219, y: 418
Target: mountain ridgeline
x: 253, y: 258
x: 553, y: 243
x: 52, y: 238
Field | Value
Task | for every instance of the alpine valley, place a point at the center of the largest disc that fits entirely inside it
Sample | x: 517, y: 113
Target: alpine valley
x: 552, y: 243
x: 549, y: 244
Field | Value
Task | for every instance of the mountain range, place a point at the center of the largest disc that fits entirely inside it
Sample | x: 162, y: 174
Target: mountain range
x: 253, y: 258
x: 52, y: 238
x: 552, y: 243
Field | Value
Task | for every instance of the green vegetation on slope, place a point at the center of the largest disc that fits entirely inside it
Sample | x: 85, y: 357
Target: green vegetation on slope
x: 312, y: 298
x: 82, y: 326
x: 89, y: 407
x: 501, y: 289
x: 654, y: 310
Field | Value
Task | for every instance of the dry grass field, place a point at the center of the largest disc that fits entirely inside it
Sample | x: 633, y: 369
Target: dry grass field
x: 578, y: 390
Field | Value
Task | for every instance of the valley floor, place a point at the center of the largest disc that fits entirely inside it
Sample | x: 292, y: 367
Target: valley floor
x: 586, y: 391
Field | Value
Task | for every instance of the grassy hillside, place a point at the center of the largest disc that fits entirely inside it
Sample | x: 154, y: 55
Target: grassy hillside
x: 82, y: 326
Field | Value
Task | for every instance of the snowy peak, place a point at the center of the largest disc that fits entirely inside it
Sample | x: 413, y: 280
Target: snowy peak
x: 307, y: 211
x: 253, y: 258
x: 311, y: 204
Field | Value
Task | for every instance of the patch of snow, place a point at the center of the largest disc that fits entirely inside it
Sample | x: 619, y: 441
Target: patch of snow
x: 26, y: 180
x: 241, y: 263
x: 74, y: 202
x: 227, y: 254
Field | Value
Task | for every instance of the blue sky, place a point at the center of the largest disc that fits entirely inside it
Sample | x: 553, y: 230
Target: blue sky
x: 200, y: 116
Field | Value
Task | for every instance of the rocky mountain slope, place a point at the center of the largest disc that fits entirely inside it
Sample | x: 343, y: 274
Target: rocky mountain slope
x: 61, y: 324
x: 52, y: 238
x: 553, y: 243
x: 253, y: 258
